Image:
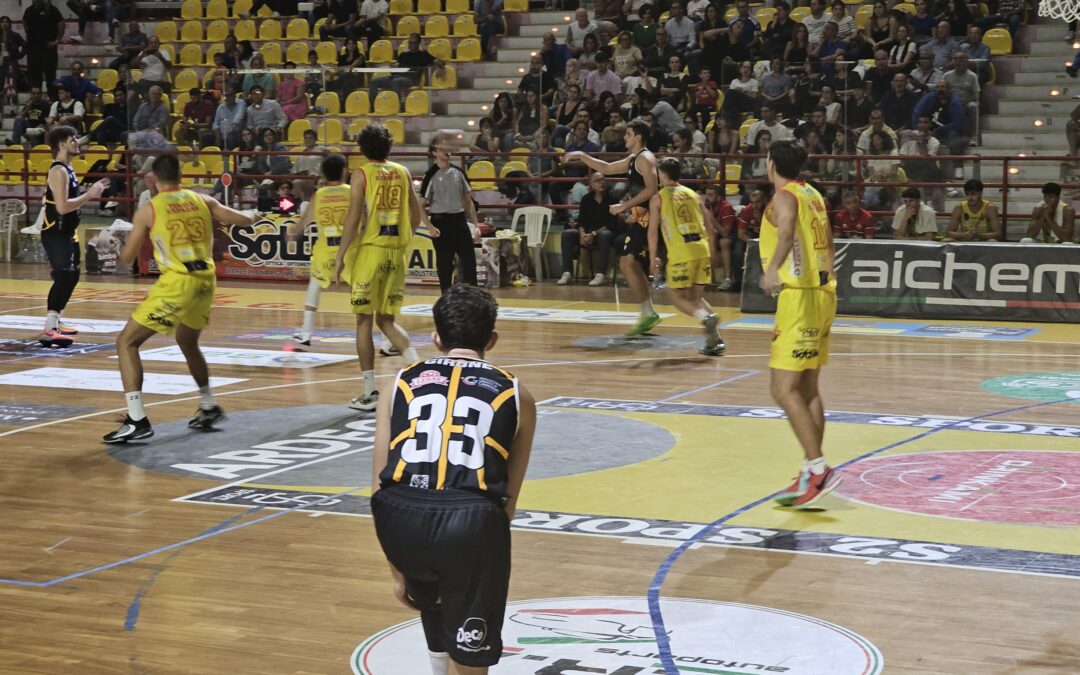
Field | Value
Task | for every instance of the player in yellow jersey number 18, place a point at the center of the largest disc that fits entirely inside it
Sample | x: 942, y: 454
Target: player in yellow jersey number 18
x: 797, y: 259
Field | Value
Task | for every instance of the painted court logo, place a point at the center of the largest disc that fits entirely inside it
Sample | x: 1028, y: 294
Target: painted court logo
x: 608, y: 635
x: 1002, y: 486
x: 1036, y: 386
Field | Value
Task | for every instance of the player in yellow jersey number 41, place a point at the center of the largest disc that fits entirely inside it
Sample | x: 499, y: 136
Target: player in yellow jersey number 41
x: 797, y: 258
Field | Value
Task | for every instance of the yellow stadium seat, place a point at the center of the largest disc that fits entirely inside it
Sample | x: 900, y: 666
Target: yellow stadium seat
x: 270, y: 29
x: 382, y: 52
x: 39, y: 166
x: 510, y: 167
x: 242, y: 7
x: 730, y: 14
x: 264, y: 12
x: 468, y: 50
x: 443, y: 78
x: 417, y: 103
x: 217, y: 9
x: 216, y: 48
x: 295, y: 135
x: 407, y: 25
x: 516, y: 6
x: 765, y: 16
x: 732, y: 172
x: 317, y: 26
x: 356, y: 126
x: 478, y: 172
x: 194, y: 174
x: 297, y: 53
x: 799, y: 13
x: 136, y: 74
x: 426, y: 7
x: 217, y: 30
x: 186, y: 79
x: 211, y: 157
x: 166, y: 31
x: 191, y: 55
x: 14, y: 169
x: 271, y: 52
x: 180, y: 101
x: 396, y: 129
x: 245, y: 30
x: 999, y: 41
x: 401, y: 7
x: 436, y: 26
x: 440, y: 49
x: 331, y: 131
x: 170, y: 51
x: 14, y: 152
x: 107, y: 79
x: 402, y: 47
x: 330, y: 101
x: 357, y: 103
x: 191, y: 31
x: 327, y: 52
x: 387, y: 103
x: 862, y: 15
x: 191, y: 9
x: 906, y: 7
x: 108, y: 98
x: 458, y: 7
x: 744, y: 129
x: 297, y: 30
x: 80, y: 166
x: 464, y: 26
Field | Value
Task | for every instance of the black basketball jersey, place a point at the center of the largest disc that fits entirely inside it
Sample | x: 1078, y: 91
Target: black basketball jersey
x: 635, y: 181
x: 453, y: 420
x: 69, y: 222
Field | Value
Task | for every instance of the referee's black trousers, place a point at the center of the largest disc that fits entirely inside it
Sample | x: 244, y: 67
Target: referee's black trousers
x: 454, y: 240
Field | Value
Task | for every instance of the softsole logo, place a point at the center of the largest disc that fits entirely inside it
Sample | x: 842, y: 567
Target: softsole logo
x: 609, y: 635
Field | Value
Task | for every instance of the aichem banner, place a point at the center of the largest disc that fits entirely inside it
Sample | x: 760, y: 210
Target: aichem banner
x: 930, y: 280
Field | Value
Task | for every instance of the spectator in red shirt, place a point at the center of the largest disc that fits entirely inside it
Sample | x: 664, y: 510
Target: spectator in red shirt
x: 198, y: 118
x: 853, y: 221
x: 705, y: 95
x: 750, y: 216
x: 724, y: 215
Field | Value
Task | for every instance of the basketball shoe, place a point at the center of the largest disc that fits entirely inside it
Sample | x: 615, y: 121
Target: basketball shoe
x: 809, y: 487
x: 130, y: 430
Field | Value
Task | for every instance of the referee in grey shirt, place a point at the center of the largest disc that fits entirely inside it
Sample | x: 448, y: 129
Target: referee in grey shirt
x: 445, y: 199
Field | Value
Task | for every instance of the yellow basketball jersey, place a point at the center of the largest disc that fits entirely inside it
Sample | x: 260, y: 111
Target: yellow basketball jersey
x: 182, y: 233
x: 810, y: 262
x: 386, y: 194
x: 974, y: 221
x: 329, y: 205
x: 682, y: 223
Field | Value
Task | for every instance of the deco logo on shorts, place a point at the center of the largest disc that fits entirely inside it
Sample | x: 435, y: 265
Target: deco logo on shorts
x: 472, y: 635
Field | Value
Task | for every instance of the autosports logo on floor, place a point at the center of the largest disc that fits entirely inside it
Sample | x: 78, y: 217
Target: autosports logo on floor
x: 615, y: 635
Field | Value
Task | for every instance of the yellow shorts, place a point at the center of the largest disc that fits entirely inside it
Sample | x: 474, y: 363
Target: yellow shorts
x: 687, y: 273
x: 323, y: 261
x: 804, y: 319
x: 377, y: 277
x: 177, y: 299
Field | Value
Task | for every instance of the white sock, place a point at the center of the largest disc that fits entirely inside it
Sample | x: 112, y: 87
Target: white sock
x: 135, y: 406
x: 309, y: 320
x: 208, y: 402
x: 700, y: 314
x: 313, y: 291
x: 647, y: 308
x: 411, y: 355
x: 440, y: 662
x: 369, y: 381
x: 816, y: 466
x: 52, y: 320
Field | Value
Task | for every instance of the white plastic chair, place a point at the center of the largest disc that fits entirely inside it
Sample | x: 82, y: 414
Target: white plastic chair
x: 537, y: 223
x: 10, y: 212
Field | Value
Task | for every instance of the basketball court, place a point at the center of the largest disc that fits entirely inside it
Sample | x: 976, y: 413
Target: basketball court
x: 645, y: 540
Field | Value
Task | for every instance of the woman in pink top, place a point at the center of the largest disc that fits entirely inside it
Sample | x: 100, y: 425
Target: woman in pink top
x: 292, y: 95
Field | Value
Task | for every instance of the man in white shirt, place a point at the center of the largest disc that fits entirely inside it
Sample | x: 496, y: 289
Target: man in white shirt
x: 768, y: 122
x: 680, y: 29
x: 914, y: 220
x: 816, y: 20
x: 695, y: 9
x: 965, y: 86
x: 925, y: 76
x: 371, y: 13
x: 631, y: 83
x: 154, y: 64
x: 578, y: 29
x: 877, y: 123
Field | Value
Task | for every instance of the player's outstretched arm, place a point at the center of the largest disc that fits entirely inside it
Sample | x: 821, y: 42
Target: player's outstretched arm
x: 606, y: 168
x: 228, y: 215
x: 144, y: 218
x: 520, y: 450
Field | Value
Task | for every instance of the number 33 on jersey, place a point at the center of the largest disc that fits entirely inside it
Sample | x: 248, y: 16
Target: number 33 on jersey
x: 453, y: 421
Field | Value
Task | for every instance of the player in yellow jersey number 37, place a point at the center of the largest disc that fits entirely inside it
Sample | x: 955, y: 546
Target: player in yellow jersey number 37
x: 180, y: 223
x: 797, y: 258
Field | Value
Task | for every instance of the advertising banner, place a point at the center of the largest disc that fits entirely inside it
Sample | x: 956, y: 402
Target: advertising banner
x: 922, y: 279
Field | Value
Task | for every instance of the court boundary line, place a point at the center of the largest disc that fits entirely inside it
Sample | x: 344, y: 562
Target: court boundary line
x: 663, y: 641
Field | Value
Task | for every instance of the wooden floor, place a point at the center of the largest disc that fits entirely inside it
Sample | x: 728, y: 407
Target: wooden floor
x: 953, y: 547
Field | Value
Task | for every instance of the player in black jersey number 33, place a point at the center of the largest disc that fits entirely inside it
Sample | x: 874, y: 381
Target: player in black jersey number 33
x: 451, y: 447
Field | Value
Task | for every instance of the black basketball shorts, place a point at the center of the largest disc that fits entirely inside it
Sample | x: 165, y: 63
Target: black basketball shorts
x: 62, y: 250
x: 453, y: 547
